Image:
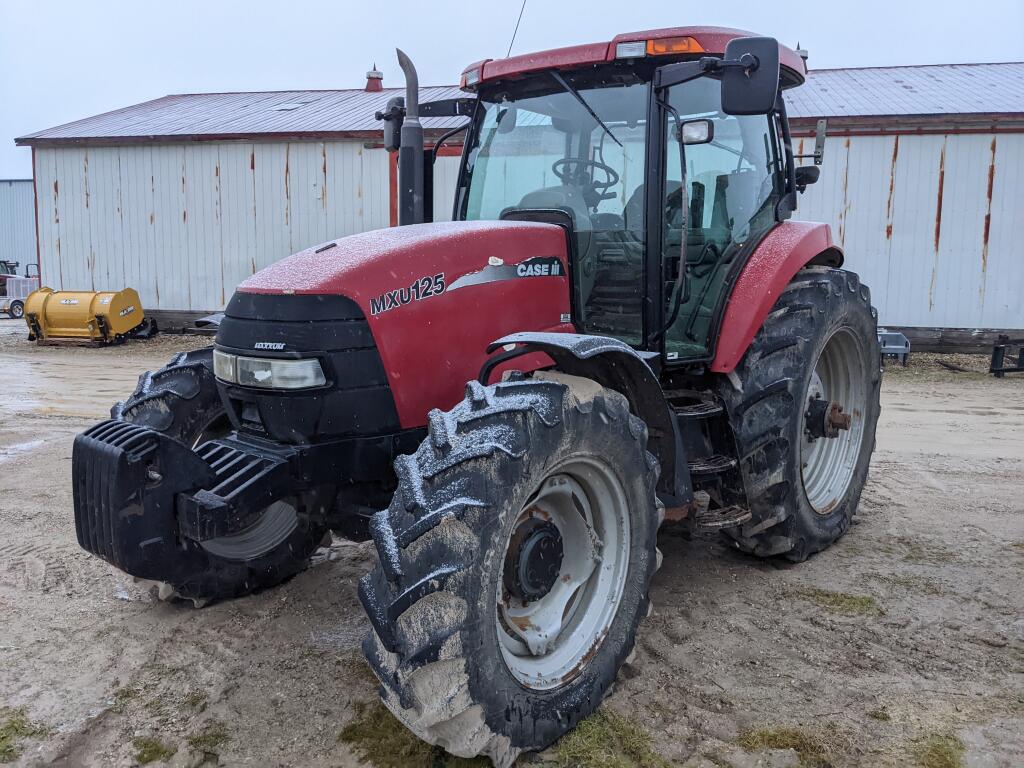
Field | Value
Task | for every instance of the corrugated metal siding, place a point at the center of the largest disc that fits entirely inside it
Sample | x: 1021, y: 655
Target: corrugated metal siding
x: 919, y: 221
x: 17, y: 222
x: 185, y: 224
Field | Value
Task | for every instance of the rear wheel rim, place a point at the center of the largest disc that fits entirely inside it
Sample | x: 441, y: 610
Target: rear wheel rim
x: 17, y: 311
x: 829, y: 464
x: 548, y: 641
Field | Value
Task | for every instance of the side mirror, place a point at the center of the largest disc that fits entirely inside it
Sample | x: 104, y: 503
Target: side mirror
x: 393, y: 117
x: 507, y: 119
x: 806, y: 174
x: 696, y: 132
x: 750, y: 76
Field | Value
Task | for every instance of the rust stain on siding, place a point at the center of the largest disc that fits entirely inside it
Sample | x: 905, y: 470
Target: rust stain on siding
x: 846, y: 204
x: 252, y: 160
x: 85, y: 177
x: 323, y: 170
x: 287, y: 184
x: 892, y: 188
x: 938, y: 223
x: 988, y: 218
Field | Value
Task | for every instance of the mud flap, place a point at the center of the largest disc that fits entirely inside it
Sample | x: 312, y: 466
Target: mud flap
x: 126, y: 479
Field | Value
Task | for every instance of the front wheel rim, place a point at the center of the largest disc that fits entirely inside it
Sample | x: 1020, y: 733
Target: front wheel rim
x: 828, y: 464
x: 547, y: 641
x: 270, y: 529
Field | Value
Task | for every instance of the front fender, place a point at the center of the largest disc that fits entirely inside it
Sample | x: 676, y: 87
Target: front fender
x: 615, y: 365
x: 786, y: 250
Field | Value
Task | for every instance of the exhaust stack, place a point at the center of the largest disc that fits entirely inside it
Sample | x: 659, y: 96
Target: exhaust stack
x: 410, y: 153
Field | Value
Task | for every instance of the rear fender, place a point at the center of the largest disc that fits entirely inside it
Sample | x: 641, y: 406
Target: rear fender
x: 618, y: 366
x: 787, y: 249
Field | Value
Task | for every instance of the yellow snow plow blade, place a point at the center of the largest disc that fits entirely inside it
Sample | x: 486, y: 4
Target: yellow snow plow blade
x: 94, y: 317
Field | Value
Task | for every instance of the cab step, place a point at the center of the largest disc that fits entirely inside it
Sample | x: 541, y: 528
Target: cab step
x: 711, y: 465
x: 717, y: 519
x: 705, y: 409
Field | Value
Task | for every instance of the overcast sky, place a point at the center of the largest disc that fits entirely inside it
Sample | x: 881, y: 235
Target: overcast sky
x: 62, y: 60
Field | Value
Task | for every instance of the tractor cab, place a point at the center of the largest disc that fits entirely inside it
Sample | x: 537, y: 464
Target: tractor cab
x: 665, y: 154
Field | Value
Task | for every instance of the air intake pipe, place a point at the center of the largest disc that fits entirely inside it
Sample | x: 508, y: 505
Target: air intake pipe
x: 410, y: 153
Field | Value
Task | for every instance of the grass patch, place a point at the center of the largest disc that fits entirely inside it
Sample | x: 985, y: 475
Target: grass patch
x: 15, y: 726
x: 922, y: 552
x: 377, y: 737
x: 881, y: 714
x: 121, y: 698
x: 149, y: 750
x: 940, y: 751
x: 909, y: 583
x: 212, y: 736
x: 195, y: 701
x: 607, y: 740
x: 812, y: 750
x: 356, y: 670
x: 840, y: 602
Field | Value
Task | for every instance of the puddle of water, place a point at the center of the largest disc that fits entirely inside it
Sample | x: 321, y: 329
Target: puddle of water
x: 8, y: 453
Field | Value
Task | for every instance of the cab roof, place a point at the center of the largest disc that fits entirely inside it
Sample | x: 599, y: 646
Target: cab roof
x: 689, y: 41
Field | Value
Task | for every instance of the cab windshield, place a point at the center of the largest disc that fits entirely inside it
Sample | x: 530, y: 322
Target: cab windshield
x: 576, y: 142
x: 538, y: 146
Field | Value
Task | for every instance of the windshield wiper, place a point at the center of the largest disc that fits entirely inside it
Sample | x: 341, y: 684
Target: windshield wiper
x: 576, y: 94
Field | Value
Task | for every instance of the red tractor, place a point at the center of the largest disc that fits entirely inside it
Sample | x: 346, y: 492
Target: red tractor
x: 621, y: 328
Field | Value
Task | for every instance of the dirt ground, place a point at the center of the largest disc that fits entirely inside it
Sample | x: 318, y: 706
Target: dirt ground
x: 908, y: 634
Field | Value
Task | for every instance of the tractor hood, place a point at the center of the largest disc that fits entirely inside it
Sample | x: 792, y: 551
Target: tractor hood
x: 435, y: 295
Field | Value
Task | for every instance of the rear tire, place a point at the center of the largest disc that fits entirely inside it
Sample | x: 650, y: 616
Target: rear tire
x: 821, y: 330
x: 440, y: 599
x: 17, y: 310
x: 181, y: 400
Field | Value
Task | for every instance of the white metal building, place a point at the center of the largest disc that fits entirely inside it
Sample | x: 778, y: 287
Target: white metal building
x: 185, y: 196
x: 17, y: 221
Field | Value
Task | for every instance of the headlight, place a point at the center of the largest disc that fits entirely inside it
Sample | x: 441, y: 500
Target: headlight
x: 267, y: 372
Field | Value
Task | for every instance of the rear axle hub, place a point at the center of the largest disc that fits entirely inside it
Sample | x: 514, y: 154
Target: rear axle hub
x: 534, y: 560
x: 825, y: 418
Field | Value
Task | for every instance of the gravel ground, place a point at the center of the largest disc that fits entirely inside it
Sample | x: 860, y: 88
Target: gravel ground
x: 908, y: 634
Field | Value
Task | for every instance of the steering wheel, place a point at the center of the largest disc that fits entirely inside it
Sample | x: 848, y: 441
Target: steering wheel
x: 572, y: 170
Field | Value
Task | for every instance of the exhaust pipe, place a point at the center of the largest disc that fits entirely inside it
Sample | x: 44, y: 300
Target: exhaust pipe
x: 410, y: 153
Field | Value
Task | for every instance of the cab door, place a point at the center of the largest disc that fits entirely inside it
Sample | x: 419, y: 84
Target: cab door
x: 733, y: 181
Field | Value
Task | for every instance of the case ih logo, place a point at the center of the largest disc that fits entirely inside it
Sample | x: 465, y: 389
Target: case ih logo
x: 268, y: 345
x: 540, y: 267
x: 423, y: 288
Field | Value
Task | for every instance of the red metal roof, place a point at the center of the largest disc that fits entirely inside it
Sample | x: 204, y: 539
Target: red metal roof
x: 712, y: 39
x: 960, y: 90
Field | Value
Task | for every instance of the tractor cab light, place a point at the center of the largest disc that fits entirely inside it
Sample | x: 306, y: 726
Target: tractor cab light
x: 669, y: 45
x: 470, y: 78
x: 634, y: 50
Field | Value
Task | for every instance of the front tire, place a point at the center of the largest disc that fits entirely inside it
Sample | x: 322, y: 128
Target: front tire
x: 478, y: 650
x: 17, y: 310
x: 181, y: 400
x: 819, y: 345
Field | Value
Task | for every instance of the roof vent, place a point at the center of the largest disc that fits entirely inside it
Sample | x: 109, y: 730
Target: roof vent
x: 374, y: 79
x: 802, y: 53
